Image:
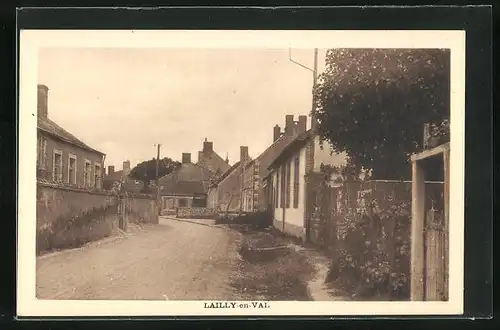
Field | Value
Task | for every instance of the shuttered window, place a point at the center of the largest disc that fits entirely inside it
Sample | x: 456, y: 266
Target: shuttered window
x: 41, y: 155
x: 288, y: 187
x: 296, y: 181
x: 57, y: 166
x: 282, y: 186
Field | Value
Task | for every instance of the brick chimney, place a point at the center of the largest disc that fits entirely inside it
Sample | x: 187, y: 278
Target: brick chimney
x: 208, y: 146
x: 302, y: 124
x: 126, y: 167
x: 111, y: 170
x: 276, y: 132
x: 186, y: 157
x: 42, y: 107
x: 289, y: 124
x: 243, y: 153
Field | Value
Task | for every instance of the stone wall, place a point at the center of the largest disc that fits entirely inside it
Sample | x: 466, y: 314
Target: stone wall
x: 196, y: 213
x: 68, y: 217
x: 142, y: 209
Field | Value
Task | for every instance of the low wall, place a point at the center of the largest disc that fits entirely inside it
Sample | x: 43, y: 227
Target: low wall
x: 68, y: 217
x: 142, y: 209
x: 196, y: 213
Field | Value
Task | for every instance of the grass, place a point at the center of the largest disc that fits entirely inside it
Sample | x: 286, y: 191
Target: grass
x: 283, y: 277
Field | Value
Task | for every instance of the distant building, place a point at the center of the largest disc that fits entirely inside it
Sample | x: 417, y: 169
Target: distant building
x: 123, y: 177
x: 187, y: 186
x: 210, y: 160
x: 242, y: 187
x: 225, y: 193
x: 62, y: 157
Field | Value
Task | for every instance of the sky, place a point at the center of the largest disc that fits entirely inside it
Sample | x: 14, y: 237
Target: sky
x: 124, y: 101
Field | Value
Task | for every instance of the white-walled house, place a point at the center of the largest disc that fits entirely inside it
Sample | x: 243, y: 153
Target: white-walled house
x: 288, y: 185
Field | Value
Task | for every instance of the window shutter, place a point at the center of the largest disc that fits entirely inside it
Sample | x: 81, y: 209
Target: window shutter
x: 296, y: 182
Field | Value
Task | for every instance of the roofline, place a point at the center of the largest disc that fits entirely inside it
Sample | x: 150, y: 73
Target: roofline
x: 226, y: 174
x: 71, y: 142
x: 307, y: 135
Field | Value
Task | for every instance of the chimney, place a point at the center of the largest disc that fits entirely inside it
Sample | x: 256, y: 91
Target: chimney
x: 111, y: 170
x: 186, y: 157
x: 208, y: 146
x: 243, y: 153
x: 302, y: 124
x: 43, y: 94
x: 126, y: 167
x: 289, y: 124
x: 276, y: 132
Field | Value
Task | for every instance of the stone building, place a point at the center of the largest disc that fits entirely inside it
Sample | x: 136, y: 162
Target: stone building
x: 113, y: 177
x: 61, y: 157
x: 225, y: 193
x: 185, y: 187
x: 210, y: 160
x: 256, y: 191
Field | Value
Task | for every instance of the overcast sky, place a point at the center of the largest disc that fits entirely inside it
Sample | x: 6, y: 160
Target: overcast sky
x: 123, y: 101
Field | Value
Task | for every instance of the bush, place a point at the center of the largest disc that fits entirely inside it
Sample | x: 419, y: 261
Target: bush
x: 367, y: 263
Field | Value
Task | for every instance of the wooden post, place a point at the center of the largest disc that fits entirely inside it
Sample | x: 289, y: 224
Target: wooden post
x: 446, y: 195
x: 417, y: 232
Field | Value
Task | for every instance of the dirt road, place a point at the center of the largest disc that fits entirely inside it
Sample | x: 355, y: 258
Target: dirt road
x: 173, y: 260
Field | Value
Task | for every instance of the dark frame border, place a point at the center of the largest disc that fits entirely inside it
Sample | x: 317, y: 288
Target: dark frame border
x: 475, y: 20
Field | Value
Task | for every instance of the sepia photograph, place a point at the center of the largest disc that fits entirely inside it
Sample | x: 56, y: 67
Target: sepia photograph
x: 241, y: 172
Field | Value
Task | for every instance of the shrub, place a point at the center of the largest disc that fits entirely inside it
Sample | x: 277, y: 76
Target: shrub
x: 369, y: 264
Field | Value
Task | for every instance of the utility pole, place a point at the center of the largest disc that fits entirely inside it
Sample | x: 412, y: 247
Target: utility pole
x: 314, y: 71
x: 157, y: 178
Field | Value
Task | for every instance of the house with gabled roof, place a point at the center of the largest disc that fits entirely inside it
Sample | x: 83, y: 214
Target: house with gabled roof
x: 291, y: 182
x: 185, y: 187
x: 63, y: 158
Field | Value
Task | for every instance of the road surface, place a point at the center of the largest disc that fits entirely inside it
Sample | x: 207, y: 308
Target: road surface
x: 173, y: 260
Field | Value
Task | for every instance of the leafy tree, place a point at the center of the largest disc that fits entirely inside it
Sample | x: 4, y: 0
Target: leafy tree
x: 146, y: 171
x: 373, y: 104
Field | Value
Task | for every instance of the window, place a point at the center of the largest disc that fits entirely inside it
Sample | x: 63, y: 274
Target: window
x: 87, y: 171
x: 97, y: 175
x: 41, y: 152
x: 72, y: 169
x: 296, y: 182
x: 57, y: 174
x: 288, y: 174
x: 282, y: 186
x: 276, y: 189
x: 182, y: 202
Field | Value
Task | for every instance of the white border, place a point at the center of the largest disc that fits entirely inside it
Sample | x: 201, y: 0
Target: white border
x: 31, y: 40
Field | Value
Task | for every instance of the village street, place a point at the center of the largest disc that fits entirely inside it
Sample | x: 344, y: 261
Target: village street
x: 172, y: 260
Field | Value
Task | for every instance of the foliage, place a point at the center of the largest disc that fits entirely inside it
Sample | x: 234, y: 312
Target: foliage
x: 146, y: 171
x: 373, y: 104
x: 373, y: 260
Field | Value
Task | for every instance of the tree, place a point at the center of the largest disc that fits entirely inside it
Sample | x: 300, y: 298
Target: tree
x: 146, y: 171
x: 373, y: 104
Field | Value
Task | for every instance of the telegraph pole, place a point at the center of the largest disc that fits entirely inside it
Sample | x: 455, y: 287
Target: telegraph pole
x: 157, y: 162
x: 157, y: 178
x: 314, y: 71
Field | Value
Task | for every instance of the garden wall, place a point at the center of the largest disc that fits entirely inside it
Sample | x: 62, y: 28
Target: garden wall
x: 68, y: 217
